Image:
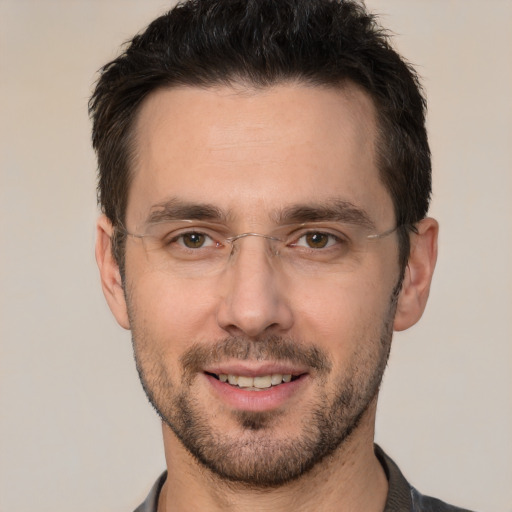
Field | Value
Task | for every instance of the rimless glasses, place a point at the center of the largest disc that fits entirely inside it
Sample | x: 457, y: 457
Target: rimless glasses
x: 195, y: 249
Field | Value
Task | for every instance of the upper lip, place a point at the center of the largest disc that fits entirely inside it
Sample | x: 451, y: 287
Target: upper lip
x: 256, y: 369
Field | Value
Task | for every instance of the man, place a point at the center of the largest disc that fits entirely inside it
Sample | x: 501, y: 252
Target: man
x: 264, y: 181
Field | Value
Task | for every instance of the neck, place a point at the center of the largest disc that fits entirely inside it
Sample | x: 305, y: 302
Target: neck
x: 350, y: 479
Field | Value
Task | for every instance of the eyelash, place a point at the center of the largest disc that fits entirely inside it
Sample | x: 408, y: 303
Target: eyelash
x: 181, y: 236
x: 332, y: 240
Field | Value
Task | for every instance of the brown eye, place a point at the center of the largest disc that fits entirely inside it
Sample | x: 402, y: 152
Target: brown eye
x: 317, y: 240
x: 193, y: 240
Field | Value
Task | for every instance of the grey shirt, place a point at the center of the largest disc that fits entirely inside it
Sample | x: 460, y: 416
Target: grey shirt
x: 402, y: 497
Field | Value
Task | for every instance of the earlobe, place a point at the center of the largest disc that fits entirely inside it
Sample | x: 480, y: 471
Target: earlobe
x: 418, y: 275
x: 111, y: 281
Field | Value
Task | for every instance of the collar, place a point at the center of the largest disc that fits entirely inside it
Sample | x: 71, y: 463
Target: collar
x: 398, y: 500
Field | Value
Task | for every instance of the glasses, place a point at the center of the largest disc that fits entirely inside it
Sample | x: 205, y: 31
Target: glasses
x: 195, y: 249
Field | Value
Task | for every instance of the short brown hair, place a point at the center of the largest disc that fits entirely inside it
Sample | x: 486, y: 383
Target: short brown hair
x: 261, y: 43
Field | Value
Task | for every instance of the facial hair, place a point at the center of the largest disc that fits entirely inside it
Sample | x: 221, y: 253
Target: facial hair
x: 256, y: 456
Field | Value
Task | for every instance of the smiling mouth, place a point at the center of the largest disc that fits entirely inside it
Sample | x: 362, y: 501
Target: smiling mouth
x: 255, y: 383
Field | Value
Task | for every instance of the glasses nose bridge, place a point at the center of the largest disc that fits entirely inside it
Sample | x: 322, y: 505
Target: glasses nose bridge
x: 271, y: 238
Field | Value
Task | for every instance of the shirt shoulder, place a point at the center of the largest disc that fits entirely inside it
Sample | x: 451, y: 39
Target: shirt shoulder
x: 402, y: 497
x: 150, y: 504
x: 421, y: 503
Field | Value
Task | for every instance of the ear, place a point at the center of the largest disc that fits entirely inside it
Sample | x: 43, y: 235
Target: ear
x: 109, y: 272
x: 418, y: 275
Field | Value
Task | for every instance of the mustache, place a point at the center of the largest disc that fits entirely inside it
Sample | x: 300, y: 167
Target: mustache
x: 264, y: 348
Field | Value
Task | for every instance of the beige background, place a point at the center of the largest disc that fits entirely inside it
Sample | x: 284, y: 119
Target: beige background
x: 76, y: 433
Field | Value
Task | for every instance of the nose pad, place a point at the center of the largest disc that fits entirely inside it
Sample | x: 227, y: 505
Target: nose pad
x: 253, y: 298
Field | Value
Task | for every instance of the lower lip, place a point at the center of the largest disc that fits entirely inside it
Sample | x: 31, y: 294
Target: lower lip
x: 256, y: 401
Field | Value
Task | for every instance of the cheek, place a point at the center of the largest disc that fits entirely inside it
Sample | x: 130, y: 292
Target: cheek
x: 342, y: 314
x: 173, y: 314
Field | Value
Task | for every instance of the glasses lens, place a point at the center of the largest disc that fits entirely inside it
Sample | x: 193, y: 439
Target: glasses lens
x: 189, y: 249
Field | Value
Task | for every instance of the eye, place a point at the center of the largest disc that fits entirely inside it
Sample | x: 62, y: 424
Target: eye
x: 317, y: 240
x: 194, y: 240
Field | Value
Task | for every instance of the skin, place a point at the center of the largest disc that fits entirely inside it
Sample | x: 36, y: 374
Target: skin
x: 250, y: 152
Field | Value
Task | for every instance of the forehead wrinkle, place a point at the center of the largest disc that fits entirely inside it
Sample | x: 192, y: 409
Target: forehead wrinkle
x: 331, y: 210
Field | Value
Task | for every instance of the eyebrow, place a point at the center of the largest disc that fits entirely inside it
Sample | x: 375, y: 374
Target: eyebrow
x: 333, y: 210
x: 176, y: 209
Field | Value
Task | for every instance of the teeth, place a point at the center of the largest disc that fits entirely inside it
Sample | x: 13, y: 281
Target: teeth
x: 262, y: 382
x: 244, y: 382
x: 276, y: 379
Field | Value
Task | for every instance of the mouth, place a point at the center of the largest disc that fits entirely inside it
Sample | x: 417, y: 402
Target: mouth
x: 258, y: 383
x: 257, y: 387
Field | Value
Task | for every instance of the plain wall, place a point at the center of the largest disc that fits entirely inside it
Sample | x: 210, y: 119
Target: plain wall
x: 76, y: 432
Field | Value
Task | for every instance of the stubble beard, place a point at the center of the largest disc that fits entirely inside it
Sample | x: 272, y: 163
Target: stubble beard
x: 255, y: 456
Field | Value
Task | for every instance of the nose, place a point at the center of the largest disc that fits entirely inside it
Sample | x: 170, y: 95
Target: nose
x: 253, y: 299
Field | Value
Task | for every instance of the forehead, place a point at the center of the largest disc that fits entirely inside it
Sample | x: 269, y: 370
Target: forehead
x: 251, y: 151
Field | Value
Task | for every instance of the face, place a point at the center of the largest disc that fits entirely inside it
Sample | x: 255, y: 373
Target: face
x: 307, y: 349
